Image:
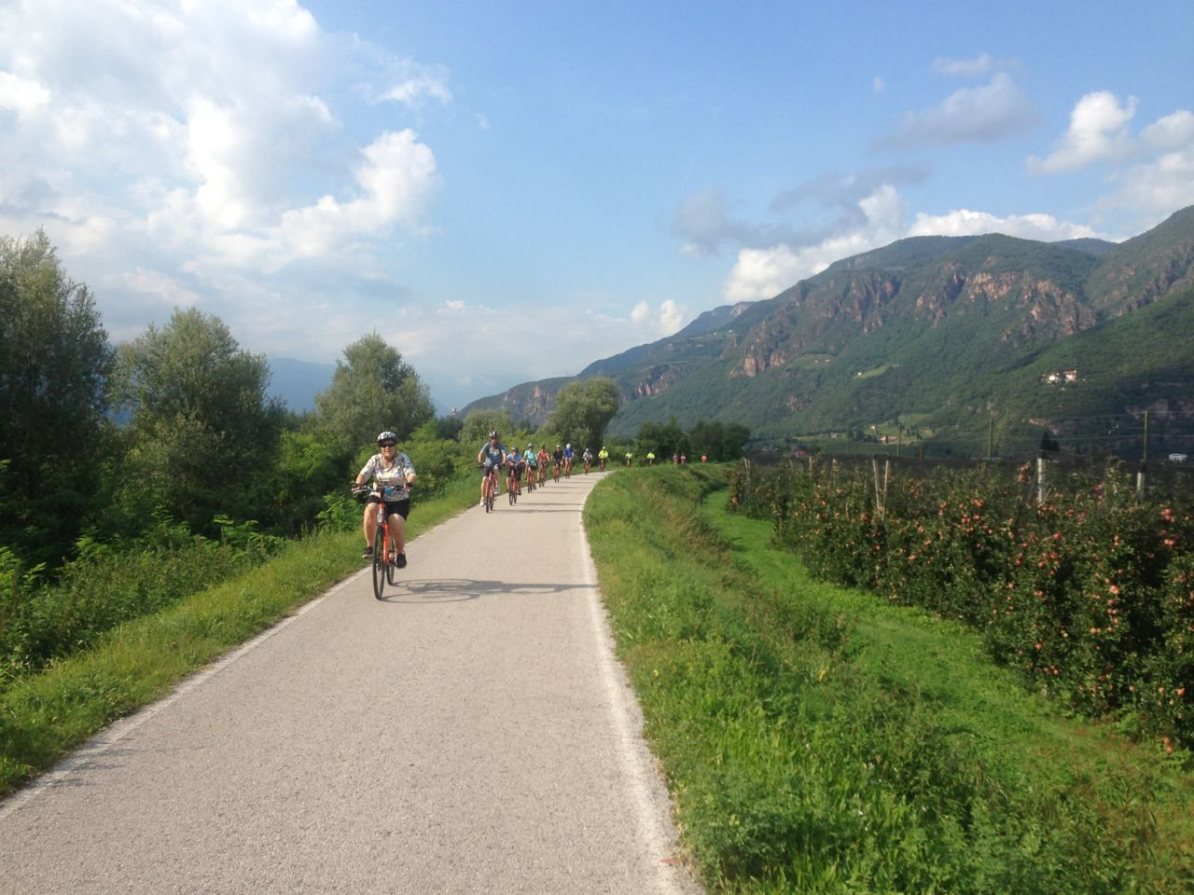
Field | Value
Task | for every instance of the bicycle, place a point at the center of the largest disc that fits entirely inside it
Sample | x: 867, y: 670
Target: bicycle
x: 511, y: 484
x: 489, y: 486
x: 385, y: 559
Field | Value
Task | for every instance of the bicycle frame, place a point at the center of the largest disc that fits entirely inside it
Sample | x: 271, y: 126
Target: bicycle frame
x: 385, y: 569
x: 490, y: 487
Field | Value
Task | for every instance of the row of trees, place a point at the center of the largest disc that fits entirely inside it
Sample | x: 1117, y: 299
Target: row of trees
x: 104, y: 443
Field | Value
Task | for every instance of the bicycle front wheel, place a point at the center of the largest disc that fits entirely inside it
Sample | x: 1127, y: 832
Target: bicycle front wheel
x: 379, y: 563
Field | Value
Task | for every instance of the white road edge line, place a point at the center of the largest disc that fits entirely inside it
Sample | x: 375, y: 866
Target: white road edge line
x: 646, y: 788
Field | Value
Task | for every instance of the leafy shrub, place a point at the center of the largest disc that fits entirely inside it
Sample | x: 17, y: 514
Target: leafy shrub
x: 105, y: 586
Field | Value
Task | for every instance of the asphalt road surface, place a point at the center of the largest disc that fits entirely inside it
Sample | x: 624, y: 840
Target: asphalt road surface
x: 470, y: 733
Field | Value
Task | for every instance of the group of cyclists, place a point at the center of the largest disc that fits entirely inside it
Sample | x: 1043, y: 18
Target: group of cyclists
x: 389, y: 475
x: 528, y: 465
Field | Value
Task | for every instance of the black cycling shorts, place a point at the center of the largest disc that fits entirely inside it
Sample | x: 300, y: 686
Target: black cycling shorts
x: 401, y: 507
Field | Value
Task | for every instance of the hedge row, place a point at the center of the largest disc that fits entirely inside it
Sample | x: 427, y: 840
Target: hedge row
x: 1091, y: 595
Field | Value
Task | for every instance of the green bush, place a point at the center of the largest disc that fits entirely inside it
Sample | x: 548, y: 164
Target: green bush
x: 105, y: 586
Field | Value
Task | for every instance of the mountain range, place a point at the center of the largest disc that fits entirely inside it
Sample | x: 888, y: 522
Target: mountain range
x: 945, y: 341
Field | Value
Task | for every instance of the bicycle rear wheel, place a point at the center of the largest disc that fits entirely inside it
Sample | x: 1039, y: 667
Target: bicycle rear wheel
x: 379, y: 562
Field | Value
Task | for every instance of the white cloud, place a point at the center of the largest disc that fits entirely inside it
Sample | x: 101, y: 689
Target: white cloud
x: 1098, y: 132
x: 663, y: 321
x: 1174, y: 132
x: 1152, y: 172
x: 1157, y: 188
x: 971, y: 115
x: 21, y: 95
x: 193, y: 136
x: 764, y: 273
x: 878, y: 85
x: 963, y: 222
x: 977, y: 65
x: 414, y: 90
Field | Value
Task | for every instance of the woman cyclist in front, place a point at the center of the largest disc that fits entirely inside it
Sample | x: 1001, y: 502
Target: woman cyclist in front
x: 392, y: 474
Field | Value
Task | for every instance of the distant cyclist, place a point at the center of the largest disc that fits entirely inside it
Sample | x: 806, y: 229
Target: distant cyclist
x: 514, y: 467
x: 569, y: 454
x: 602, y: 457
x: 530, y: 461
x: 391, y: 473
x: 587, y: 459
x: 557, y: 462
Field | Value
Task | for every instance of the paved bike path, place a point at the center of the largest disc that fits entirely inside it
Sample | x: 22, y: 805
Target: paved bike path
x: 471, y: 733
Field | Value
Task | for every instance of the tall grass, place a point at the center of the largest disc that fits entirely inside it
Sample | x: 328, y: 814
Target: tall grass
x: 817, y: 740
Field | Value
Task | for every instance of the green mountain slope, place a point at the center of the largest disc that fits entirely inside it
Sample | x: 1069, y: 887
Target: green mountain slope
x: 932, y: 331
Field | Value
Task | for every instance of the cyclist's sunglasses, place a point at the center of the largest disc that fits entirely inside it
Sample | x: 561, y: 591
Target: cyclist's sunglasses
x: 386, y: 444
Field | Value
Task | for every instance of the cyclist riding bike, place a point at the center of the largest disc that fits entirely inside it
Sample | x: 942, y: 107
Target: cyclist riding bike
x: 514, y: 472
x: 587, y: 459
x: 530, y: 461
x: 491, y: 456
x: 568, y: 455
x: 392, y: 474
x: 544, y: 458
x: 557, y: 462
x: 602, y: 456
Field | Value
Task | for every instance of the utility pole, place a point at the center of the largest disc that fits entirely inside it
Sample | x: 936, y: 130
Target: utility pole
x: 1143, y: 473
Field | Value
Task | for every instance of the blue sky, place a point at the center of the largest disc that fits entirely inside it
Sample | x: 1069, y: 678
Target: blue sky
x: 509, y: 191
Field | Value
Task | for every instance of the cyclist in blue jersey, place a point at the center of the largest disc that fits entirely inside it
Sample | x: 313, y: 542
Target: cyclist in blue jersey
x: 491, y: 457
x: 531, y: 460
x: 569, y: 455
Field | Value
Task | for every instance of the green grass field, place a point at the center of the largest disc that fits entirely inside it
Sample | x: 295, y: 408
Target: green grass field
x: 818, y: 740
x: 814, y: 738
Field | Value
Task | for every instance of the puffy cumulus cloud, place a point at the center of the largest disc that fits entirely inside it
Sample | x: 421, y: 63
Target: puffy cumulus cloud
x: 982, y: 114
x: 1172, y: 133
x: 1153, y: 190
x: 963, y: 222
x: 199, y: 135
x: 1150, y: 174
x: 664, y: 320
x: 21, y: 95
x: 1098, y: 132
x: 764, y: 273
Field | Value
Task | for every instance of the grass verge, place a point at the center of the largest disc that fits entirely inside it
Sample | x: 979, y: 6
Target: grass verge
x: 44, y: 716
x: 818, y: 740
